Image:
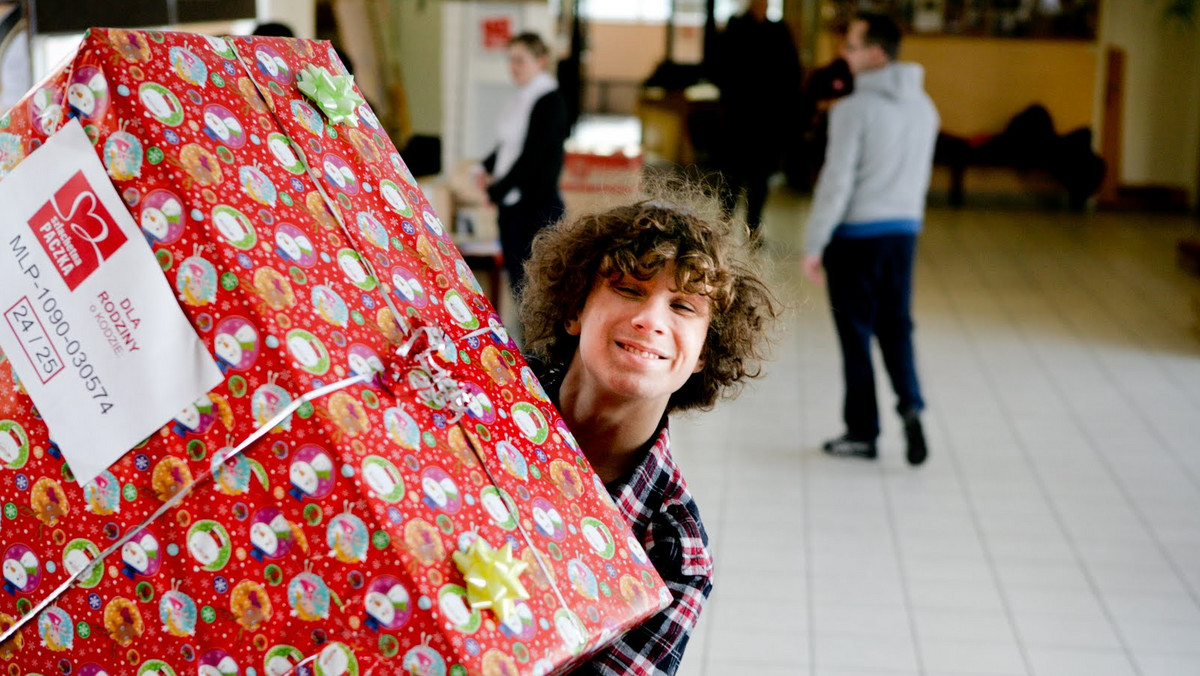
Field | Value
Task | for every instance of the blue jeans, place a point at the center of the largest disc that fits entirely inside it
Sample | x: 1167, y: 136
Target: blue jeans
x: 870, y: 291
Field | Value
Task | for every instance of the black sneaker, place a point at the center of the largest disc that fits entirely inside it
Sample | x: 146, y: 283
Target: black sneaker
x: 915, y: 436
x: 848, y: 447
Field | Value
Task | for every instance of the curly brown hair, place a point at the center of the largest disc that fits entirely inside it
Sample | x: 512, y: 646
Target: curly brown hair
x: 674, y: 221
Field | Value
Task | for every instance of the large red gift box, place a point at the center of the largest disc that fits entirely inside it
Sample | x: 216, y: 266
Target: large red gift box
x: 302, y: 252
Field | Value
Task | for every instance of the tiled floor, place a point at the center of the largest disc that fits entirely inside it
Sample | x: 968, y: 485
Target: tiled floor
x: 1055, y: 530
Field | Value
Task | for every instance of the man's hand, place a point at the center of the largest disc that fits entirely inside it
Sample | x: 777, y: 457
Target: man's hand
x: 812, y: 268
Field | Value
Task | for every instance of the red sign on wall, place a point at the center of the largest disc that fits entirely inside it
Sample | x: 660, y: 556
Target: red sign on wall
x: 497, y: 31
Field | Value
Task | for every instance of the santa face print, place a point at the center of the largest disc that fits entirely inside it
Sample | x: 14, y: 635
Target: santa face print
x: 230, y: 226
x: 303, y: 351
x: 333, y: 661
x: 266, y: 62
x: 10, y: 447
x: 353, y: 269
x: 454, y: 609
x: 203, y: 547
x: 358, y: 364
x: 496, y: 508
x: 288, y: 245
x: 458, y: 308
x: 434, y: 491
x: 282, y: 151
x: 569, y: 631
x: 380, y: 478
x: 156, y: 103
x: 75, y: 561
x: 525, y: 422
x: 216, y: 125
x: 542, y: 519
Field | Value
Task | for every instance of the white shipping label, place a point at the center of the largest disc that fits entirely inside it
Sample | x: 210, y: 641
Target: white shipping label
x: 89, y: 323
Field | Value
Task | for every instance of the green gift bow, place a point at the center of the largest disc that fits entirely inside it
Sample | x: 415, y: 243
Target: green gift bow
x: 333, y: 94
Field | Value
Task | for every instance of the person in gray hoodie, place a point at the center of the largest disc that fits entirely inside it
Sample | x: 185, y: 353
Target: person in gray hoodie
x: 860, y: 240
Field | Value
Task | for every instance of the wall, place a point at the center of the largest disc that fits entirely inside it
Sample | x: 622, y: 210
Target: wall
x: 301, y: 15
x: 1161, y: 140
x: 420, y: 48
x: 631, y: 51
x: 979, y: 83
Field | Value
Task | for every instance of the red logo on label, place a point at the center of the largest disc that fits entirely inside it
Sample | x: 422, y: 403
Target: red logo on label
x: 76, y: 230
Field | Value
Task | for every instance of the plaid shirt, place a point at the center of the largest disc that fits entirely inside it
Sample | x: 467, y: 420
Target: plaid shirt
x: 663, y: 515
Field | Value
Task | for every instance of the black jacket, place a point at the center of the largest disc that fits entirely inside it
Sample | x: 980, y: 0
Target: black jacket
x: 537, y: 169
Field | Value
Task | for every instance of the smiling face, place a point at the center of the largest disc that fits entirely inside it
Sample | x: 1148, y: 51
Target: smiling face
x: 189, y: 417
x: 639, y: 341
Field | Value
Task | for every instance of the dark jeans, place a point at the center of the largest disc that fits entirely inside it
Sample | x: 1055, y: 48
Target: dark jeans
x: 870, y: 291
x: 754, y: 182
x: 518, y: 226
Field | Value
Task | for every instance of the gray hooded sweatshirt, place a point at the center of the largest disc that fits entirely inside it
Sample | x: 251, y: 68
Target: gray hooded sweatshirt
x: 878, y: 160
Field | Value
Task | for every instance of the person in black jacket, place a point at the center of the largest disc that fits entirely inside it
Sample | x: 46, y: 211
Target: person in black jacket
x: 757, y: 69
x: 523, y: 170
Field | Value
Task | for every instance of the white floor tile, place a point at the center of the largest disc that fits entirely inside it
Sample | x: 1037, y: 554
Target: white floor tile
x: 1051, y: 533
x: 995, y: 658
x: 859, y: 652
x: 1079, y: 662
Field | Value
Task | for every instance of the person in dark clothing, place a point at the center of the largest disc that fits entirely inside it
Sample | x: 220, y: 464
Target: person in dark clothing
x: 523, y: 170
x: 757, y: 69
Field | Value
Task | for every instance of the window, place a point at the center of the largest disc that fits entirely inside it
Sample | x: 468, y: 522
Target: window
x: 656, y: 11
x: 998, y: 18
